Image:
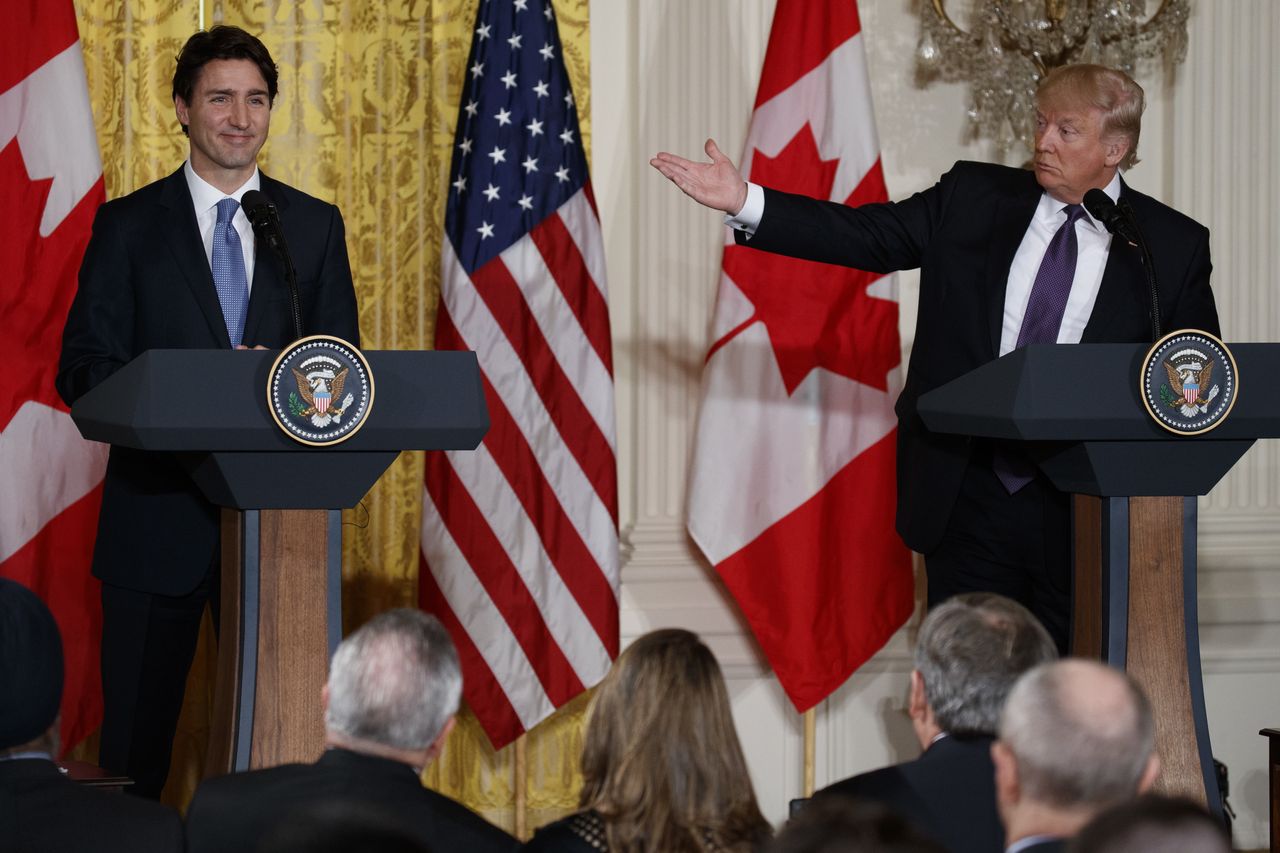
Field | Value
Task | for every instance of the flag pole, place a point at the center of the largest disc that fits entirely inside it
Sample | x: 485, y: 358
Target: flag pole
x: 810, y: 738
x: 521, y: 785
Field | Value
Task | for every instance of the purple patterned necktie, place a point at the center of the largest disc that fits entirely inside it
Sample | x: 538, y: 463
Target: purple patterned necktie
x: 1052, y: 286
x: 1040, y: 325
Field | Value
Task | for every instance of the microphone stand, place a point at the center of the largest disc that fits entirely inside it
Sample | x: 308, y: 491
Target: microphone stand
x: 266, y: 225
x: 1147, y: 264
x: 291, y: 279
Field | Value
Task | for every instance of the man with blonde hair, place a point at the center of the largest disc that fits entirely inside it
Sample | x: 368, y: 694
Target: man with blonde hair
x: 1007, y: 257
x: 1076, y: 737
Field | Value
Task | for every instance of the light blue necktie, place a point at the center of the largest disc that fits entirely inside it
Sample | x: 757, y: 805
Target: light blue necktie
x: 228, y: 270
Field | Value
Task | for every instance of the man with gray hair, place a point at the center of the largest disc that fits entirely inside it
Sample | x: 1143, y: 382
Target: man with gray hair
x: 1075, y: 738
x: 970, y: 651
x: 394, y: 688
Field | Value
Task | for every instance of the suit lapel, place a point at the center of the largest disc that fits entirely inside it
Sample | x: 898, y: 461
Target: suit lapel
x: 1122, y: 290
x: 1012, y: 217
x: 182, y: 236
x: 268, y: 270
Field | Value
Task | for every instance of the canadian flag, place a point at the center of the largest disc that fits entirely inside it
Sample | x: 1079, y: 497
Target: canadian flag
x: 792, y: 489
x: 50, y: 478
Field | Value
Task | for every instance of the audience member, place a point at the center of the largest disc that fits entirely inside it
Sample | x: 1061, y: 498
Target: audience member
x: 394, y: 687
x: 330, y: 826
x: 1153, y: 824
x: 662, y: 766
x: 970, y: 651
x: 1075, y: 738
x: 839, y: 824
x: 40, y: 808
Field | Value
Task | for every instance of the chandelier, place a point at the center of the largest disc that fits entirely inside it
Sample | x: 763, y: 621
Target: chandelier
x: 1011, y: 44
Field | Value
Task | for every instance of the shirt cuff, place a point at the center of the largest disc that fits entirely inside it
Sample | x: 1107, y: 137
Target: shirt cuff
x: 748, y: 219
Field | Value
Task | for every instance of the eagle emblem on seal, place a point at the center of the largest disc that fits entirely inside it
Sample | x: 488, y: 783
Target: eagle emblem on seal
x: 1189, y: 382
x: 320, y: 389
x: 1190, y: 389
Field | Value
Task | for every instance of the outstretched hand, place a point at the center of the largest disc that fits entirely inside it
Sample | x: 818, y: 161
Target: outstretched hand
x: 717, y: 184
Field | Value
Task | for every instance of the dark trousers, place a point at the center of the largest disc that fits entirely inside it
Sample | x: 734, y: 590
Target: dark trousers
x: 1017, y: 545
x: 148, y: 643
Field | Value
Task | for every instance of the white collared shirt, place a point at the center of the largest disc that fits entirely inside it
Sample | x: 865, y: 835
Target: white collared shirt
x: 205, y: 197
x: 1093, y: 244
x: 1024, y: 843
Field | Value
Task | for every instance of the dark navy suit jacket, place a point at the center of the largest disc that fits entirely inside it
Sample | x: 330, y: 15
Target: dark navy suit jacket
x: 948, y: 794
x: 229, y: 814
x: 962, y: 234
x: 145, y: 283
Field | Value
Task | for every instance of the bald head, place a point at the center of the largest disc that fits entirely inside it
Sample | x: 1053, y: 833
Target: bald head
x: 1081, y: 735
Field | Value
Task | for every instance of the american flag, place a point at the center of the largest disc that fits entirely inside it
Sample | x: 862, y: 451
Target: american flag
x: 520, y: 537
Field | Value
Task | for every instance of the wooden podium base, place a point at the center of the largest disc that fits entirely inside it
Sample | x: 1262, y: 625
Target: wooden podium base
x: 1134, y: 606
x: 281, y: 620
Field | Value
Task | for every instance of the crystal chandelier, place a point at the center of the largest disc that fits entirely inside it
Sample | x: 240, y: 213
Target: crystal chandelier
x: 1011, y: 44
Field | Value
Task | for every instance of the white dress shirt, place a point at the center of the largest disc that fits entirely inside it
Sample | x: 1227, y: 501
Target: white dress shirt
x: 1030, y: 841
x: 205, y: 196
x: 1092, y: 238
x: 1093, y: 241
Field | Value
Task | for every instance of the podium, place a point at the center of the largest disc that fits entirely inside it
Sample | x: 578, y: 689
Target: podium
x: 1078, y: 410
x: 281, y: 521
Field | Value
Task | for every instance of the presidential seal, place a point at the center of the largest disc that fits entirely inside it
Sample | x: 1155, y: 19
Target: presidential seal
x: 320, y: 390
x: 1189, y: 382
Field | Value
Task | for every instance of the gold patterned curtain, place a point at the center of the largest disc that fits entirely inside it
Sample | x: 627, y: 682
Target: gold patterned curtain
x: 365, y: 118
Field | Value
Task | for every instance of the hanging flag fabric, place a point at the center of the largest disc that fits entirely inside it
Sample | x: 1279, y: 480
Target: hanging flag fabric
x: 520, y: 537
x: 792, y: 489
x: 50, y: 187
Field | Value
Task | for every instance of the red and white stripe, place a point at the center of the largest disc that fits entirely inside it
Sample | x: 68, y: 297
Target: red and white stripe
x: 520, y: 537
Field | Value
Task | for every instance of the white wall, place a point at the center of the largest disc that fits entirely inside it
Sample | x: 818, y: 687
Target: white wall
x: 668, y: 73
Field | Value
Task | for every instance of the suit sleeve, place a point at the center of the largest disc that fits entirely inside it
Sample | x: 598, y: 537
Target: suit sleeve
x: 881, y: 237
x: 1195, y: 307
x: 331, y: 310
x: 98, y: 338
x: 206, y: 818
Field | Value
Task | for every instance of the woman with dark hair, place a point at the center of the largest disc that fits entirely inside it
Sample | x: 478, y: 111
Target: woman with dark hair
x: 661, y: 763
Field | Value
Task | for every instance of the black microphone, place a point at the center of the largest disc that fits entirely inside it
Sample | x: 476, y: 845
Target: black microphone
x: 1120, y: 221
x: 1103, y: 209
x: 265, y: 220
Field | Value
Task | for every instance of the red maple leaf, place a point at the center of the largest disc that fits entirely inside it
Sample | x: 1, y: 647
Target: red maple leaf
x: 39, y: 283
x: 816, y: 315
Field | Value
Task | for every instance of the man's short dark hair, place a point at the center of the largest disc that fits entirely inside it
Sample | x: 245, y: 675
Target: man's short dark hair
x: 1153, y: 823
x: 222, y: 42
x: 31, y: 669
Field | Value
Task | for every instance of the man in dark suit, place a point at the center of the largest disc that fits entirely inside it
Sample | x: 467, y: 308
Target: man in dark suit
x: 394, y: 687
x: 970, y: 651
x: 1007, y: 257
x: 176, y: 265
x: 41, y: 810
x: 1076, y: 737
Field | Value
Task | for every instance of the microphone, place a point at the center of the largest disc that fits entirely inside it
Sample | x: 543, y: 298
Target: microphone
x: 1103, y: 209
x: 1120, y: 221
x: 265, y: 220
